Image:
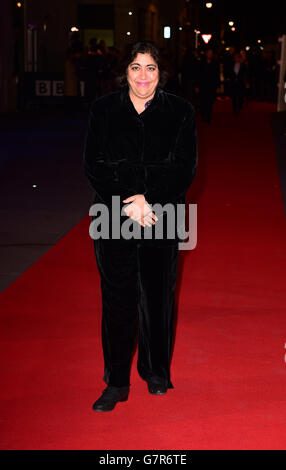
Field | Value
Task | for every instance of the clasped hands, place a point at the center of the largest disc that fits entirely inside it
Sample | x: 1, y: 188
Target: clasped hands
x: 139, y: 210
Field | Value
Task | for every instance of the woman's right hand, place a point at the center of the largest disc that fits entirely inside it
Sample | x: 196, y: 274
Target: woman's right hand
x: 139, y: 210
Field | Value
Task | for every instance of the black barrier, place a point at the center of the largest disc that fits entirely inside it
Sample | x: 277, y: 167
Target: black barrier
x: 134, y: 459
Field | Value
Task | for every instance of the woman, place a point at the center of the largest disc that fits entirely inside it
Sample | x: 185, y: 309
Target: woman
x: 140, y: 147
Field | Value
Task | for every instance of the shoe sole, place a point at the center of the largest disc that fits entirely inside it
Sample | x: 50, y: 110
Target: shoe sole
x: 157, y: 392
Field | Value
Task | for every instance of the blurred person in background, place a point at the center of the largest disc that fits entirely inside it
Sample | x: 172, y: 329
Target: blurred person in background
x: 207, y: 83
x: 189, y: 74
x: 238, y: 79
x: 244, y: 60
x: 169, y: 80
x: 269, y: 73
x: 72, y: 75
x: 228, y: 61
x: 95, y: 65
x: 255, y: 72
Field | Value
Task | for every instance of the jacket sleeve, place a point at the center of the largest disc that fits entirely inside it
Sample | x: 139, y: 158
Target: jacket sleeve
x: 167, y: 182
x: 107, y: 178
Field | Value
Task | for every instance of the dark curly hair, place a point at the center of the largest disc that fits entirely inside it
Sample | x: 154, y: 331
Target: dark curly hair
x: 129, y: 54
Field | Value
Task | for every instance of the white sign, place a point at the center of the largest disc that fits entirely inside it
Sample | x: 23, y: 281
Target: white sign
x: 281, y: 105
x: 43, y: 87
x: 53, y: 87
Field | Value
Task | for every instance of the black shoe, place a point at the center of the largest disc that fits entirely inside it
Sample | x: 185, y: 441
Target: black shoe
x: 156, y: 389
x: 110, y: 396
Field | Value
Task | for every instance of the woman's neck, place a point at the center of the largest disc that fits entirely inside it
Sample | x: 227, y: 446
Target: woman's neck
x: 138, y: 102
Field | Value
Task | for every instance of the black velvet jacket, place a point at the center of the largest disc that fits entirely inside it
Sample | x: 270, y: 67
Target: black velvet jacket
x: 152, y: 153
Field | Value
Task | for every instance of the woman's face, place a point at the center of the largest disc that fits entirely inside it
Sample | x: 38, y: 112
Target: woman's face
x: 143, y: 75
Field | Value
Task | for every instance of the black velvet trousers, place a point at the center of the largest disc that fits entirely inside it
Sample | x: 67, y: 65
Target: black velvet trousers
x: 138, y: 284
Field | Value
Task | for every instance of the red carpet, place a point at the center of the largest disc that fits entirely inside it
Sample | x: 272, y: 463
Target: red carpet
x: 228, y: 365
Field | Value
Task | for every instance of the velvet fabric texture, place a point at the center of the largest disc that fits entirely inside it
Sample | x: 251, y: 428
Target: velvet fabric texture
x: 152, y: 153
x: 126, y: 153
x: 138, y: 287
